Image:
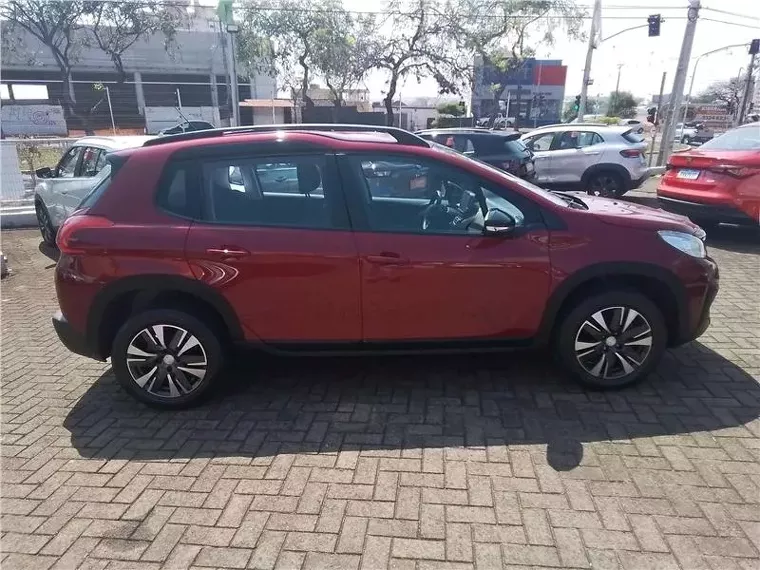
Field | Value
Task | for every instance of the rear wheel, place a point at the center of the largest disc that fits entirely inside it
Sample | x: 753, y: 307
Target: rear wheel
x: 44, y: 223
x: 606, y: 183
x: 612, y: 340
x: 166, y: 358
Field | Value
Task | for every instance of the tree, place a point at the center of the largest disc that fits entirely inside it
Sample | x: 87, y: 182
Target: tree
x: 728, y: 92
x: 452, y: 109
x: 284, y: 37
x: 416, y: 45
x: 58, y: 26
x: 622, y: 104
x: 117, y: 26
x: 344, y: 53
x: 501, y: 34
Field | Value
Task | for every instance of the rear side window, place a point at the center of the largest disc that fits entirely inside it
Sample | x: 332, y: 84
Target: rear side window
x: 101, y: 184
x: 632, y: 137
x: 293, y: 192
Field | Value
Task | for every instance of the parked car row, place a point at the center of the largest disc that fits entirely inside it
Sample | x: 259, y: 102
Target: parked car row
x: 339, y: 238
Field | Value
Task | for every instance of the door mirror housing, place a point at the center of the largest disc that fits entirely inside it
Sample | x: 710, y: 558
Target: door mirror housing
x: 498, y: 222
x: 44, y: 172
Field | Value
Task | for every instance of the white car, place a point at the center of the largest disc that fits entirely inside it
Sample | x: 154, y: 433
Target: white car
x: 63, y: 188
x: 599, y: 159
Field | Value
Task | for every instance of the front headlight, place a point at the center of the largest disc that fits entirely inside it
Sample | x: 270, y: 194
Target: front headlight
x: 687, y: 243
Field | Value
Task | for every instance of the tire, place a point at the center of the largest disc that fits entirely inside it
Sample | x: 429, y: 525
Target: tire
x: 617, y: 365
x: 605, y: 183
x: 686, y: 140
x: 44, y: 223
x: 178, y: 386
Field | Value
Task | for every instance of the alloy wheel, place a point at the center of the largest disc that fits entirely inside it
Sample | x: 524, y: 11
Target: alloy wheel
x: 166, y: 361
x: 603, y: 185
x: 613, y: 342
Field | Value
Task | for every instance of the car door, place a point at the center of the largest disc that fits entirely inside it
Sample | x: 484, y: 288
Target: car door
x: 428, y: 271
x: 273, y: 238
x: 92, y: 161
x: 64, y: 180
x: 574, y: 152
x: 541, y: 147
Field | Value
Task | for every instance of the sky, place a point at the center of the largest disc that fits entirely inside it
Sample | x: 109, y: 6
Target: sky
x: 643, y: 58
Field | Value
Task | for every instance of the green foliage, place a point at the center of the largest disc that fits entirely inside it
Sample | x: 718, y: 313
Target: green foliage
x: 622, y: 104
x: 452, y: 109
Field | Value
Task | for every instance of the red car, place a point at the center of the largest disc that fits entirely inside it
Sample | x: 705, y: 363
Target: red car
x: 281, y: 238
x: 717, y: 182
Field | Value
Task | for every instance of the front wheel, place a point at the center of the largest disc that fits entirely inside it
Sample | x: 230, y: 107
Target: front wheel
x: 612, y: 340
x: 45, y: 224
x: 686, y: 139
x: 166, y: 358
x: 605, y: 184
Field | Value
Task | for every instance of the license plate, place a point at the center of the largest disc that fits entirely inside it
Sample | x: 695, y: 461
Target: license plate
x: 688, y: 174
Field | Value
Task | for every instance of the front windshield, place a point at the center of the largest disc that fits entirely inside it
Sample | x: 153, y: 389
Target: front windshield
x: 532, y: 188
x: 744, y: 138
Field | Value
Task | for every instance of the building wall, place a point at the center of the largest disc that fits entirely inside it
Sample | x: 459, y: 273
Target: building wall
x: 535, y: 91
x: 194, y: 66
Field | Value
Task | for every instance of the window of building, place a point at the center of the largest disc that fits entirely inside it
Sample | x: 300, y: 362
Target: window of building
x: 29, y: 91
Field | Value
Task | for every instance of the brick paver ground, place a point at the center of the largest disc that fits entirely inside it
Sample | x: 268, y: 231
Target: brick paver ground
x: 444, y: 463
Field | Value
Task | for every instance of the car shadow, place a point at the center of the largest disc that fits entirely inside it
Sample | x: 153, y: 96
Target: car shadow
x: 267, y: 405
x: 49, y: 251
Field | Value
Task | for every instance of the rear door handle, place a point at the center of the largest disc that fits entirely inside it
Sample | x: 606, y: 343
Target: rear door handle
x: 228, y: 252
x: 387, y: 258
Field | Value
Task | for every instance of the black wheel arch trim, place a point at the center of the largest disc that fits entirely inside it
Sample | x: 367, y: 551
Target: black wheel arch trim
x: 607, y: 166
x: 145, y: 289
x: 615, y: 270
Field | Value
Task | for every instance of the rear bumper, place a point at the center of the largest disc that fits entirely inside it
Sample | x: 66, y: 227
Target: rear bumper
x: 708, y: 212
x: 72, y: 339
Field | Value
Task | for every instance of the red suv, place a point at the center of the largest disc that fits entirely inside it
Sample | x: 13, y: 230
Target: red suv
x: 296, y: 239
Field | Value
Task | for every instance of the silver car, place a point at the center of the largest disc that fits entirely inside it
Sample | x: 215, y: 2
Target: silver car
x: 599, y: 159
x: 62, y: 188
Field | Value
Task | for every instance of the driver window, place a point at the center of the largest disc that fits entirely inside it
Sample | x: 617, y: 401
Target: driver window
x: 541, y: 142
x: 408, y: 196
x: 67, y: 167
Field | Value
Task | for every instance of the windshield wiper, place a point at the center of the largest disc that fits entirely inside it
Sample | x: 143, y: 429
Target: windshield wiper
x: 572, y: 200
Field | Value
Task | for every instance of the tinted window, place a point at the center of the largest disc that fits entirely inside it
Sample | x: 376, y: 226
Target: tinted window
x: 745, y: 138
x: 100, y: 185
x: 298, y: 192
x: 417, y: 196
x: 67, y: 166
x: 500, y: 145
x: 632, y: 137
x: 540, y: 142
x: 578, y: 139
x: 90, y: 161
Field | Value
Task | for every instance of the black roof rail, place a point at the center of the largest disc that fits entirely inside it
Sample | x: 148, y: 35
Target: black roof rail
x: 401, y: 136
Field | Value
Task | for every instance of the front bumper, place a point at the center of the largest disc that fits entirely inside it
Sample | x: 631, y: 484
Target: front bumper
x: 701, y: 297
x: 707, y: 212
x: 75, y: 341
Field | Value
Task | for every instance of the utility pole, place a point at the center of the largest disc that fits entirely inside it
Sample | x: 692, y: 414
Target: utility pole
x: 594, y: 36
x: 227, y: 23
x: 657, y: 116
x: 753, y: 49
x: 617, y: 85
x: 679, y: 82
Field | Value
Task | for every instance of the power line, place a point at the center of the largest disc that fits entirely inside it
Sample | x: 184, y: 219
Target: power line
x: 732, y: 13
x: 731, y: 23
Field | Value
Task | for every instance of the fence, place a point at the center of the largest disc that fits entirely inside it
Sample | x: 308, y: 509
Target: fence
x: 20, y: 158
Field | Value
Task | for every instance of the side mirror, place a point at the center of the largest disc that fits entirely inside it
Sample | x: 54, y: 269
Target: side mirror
x: 44, y: 172
x: 498, y: 222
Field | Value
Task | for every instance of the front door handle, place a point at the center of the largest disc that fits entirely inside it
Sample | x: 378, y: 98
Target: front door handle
x: 228, y: 252
x: 387, y: 258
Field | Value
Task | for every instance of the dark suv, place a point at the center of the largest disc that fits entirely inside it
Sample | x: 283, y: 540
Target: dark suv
x: 497, y: 148
x: 280, y: 238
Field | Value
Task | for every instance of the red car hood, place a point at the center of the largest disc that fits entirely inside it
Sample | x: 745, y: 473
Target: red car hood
x: 620, y: 213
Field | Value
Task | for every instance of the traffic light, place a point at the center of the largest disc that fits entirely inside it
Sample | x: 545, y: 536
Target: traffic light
x: 577, y: 104
x: 652, y: 115
x: 654, y: 25
x: 754, y: 47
